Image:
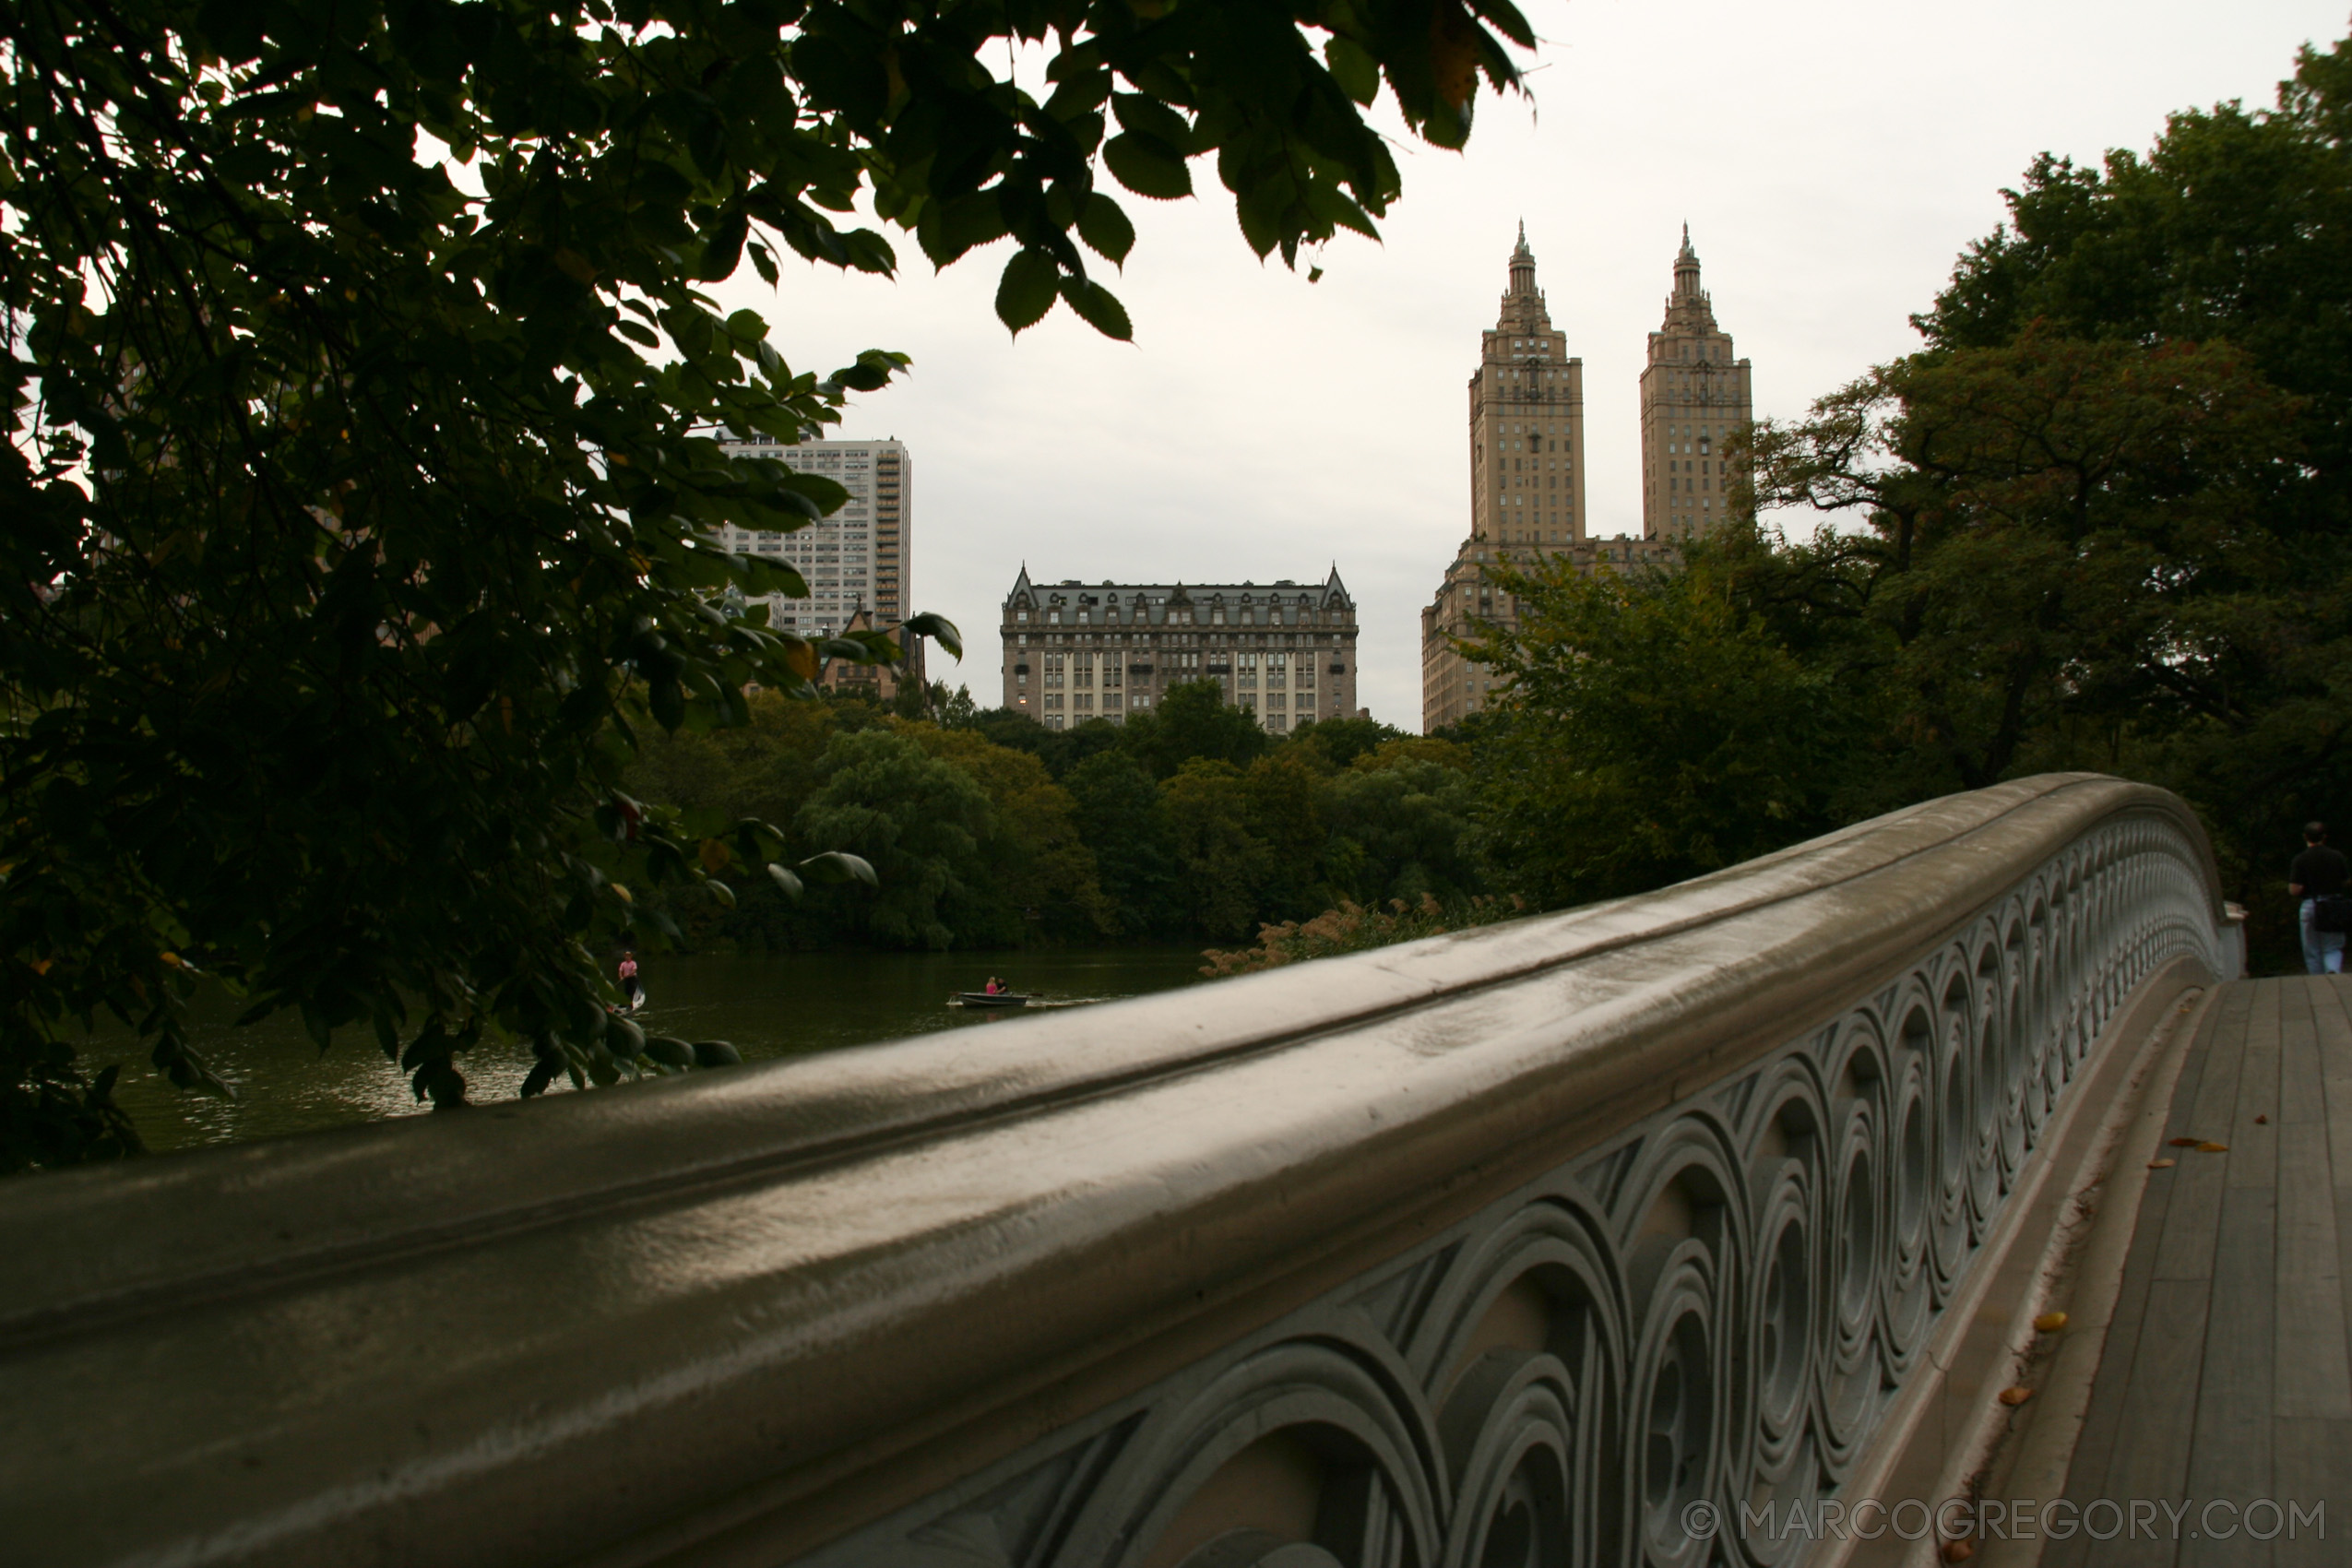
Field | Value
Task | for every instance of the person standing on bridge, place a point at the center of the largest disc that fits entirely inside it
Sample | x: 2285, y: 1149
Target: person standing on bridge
x: 2318, y: 872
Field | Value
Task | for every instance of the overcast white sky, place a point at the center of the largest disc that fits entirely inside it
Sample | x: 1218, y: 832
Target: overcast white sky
x: 1831, y: 156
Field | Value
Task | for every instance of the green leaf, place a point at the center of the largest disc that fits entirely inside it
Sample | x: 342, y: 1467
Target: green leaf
x: 939, y: 629
x: 716, y: 1053
x: 1147, y: 166
x: 1104, y: 227
x: 668, y: 700
x: 1097, y: 307
x: 1149, y: 117
x: 785, y: 879
x: 1357, y: 71
x: 668, y: 1051
x: 723, y: 247
x: 1025, y: 292
x: 838, y: 865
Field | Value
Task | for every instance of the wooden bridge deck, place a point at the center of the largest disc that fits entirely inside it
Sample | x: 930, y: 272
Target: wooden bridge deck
x: 2225, y: 1376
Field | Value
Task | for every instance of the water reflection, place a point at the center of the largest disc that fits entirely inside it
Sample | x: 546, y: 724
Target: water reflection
x: 770, y: 1007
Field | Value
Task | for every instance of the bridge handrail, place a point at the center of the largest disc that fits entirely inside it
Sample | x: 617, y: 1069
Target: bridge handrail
x: 776, y: 1304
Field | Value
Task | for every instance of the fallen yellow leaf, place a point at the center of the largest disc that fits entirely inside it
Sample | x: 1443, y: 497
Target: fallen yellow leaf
x: 2212, y: 1148
x: 2015, y: 1396
x: 2162, y: 1164
x: 2050, y: 1323
x: 2186, y: 1143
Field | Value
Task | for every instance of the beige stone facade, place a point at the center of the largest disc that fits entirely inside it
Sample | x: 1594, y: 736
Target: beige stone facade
x: 1527, y: 491
x: 1695, y: 393
x: 1075, y: 652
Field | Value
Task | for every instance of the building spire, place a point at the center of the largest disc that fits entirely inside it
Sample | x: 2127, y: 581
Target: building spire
x: 1686, y: 266
x: 1523, y: 264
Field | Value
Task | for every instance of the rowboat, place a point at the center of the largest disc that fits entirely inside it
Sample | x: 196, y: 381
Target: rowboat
x: 994, y: 998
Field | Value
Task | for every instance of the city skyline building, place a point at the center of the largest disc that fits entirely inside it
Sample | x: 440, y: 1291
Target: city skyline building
x: 858, y: 559
x: 1075, y: 652
x: 1527, y: 467
x: 1695, y: 392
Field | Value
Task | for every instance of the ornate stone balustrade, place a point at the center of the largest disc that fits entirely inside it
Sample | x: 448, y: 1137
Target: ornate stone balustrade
x: 1502, y: 1248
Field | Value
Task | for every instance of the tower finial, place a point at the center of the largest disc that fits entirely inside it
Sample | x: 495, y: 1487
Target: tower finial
x: 1523, y: 264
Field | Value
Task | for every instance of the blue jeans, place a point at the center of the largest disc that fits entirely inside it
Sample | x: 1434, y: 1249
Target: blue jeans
x: 2322, y: 950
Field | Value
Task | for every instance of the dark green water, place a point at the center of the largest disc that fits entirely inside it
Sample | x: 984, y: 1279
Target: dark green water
x: 769, y: 1007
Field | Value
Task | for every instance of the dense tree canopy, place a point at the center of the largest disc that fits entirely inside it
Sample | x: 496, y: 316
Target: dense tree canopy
x: 363, y: 500
x: 1073, y: 839
x: 1658, y: 728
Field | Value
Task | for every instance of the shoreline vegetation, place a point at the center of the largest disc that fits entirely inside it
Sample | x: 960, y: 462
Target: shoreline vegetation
x: 1188, y: 824
x: 1351, y: 928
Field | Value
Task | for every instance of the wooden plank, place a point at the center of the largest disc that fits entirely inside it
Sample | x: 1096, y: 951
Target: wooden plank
x: 2302, y: 1095
x: 2313, y: 1375
x: 2230, y: 1451
x: 2160, y: 1413
x: 2314, y: 1462
x: 2332, y: 1032
x: 2254, y: 1144
x: 2193, y: 1214
x: 2104, y: 1435
x: 2091, y: 1472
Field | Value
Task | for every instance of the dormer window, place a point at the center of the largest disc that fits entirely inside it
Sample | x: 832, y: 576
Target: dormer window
x: 1021, y: 617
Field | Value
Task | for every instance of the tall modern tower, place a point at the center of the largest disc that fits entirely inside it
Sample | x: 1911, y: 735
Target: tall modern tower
x: 1527, y: 483
x: 1694, y: 394
x: 858, y: 559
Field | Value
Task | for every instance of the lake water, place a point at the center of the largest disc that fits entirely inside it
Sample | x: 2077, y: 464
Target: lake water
x: 769, y: 1007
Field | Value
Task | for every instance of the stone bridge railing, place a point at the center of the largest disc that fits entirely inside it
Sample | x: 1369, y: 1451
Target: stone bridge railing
x: 1503, y: 1248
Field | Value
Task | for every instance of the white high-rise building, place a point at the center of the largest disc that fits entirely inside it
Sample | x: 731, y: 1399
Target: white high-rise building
x: 856, y: 559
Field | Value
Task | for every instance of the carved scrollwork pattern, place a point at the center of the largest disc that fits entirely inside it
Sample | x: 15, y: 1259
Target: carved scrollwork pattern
x: 1715, y: 1305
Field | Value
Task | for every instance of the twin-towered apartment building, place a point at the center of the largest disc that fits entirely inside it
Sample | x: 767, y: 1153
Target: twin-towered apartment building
x: 1527, y: 411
